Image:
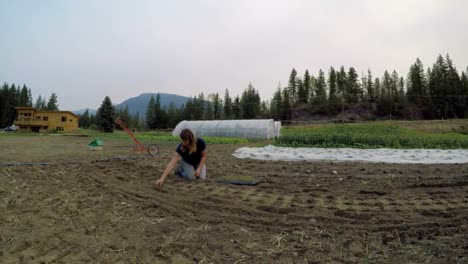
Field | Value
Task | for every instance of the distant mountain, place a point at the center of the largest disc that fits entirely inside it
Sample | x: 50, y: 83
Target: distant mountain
x: 82, y: 111
x: 140, y: 103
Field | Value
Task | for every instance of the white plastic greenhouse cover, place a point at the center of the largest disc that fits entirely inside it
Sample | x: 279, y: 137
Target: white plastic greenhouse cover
x: 252, y: 128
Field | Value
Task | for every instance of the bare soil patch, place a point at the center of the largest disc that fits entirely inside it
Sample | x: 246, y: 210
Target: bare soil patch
x: 62, y: 203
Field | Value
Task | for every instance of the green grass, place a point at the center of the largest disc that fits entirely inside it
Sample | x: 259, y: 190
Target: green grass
x: 144, y: 137
x: 369, y: 135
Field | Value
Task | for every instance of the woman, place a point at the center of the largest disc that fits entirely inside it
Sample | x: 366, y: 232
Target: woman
x: 192, y: 155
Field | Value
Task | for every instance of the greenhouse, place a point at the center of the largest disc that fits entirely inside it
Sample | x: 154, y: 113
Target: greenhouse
x: 253, y: 128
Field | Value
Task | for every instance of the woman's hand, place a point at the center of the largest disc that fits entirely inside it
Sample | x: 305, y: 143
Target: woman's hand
x: 158, y: 183
x: 169, y: 167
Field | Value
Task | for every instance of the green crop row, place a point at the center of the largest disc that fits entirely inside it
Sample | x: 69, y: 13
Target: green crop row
x: 371, y: 135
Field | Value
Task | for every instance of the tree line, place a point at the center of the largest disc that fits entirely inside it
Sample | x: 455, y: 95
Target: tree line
x: 199, y: 107
x: 12, y: 96
x: 438, y: 92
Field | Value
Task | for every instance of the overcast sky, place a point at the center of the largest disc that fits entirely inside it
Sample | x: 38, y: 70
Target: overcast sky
x: 84, y: 50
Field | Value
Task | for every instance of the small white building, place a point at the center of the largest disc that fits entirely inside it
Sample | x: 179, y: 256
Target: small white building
x: 251, y: 128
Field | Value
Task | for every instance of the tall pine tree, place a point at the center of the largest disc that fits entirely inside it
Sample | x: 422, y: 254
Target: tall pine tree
x: 306, y: 87
x: 416, y: 84
x: 292, y: 86
x: 105, y: 116
x: 52, y: 104
x: 227, y: 106
x: 151, y: 114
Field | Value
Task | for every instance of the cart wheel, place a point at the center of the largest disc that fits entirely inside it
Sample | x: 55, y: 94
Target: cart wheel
x: 153, y: 149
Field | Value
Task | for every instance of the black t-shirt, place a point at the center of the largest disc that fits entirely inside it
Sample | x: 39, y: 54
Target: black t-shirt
x: 193, y: 158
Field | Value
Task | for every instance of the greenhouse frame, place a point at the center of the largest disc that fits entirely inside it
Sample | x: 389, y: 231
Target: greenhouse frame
x: 251, y: 129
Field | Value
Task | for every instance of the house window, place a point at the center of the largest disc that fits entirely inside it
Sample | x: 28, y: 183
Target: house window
x: 64, y: 119
x: 45, y: 118
x: 38, y: 118
x: 59, y: 129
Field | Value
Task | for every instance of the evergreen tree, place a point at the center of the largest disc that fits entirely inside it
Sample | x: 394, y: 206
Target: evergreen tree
x: 124, y: 116
x: 9, y: 113
x: 394, y: 83
x: 438, y: 88
x: 352, y: 91
x: 8, y: 101
x: 227, y: 105
x: 306, y: 88
x: 138, y: 122
x: 23, y: 99
x: 41, y: 103
x: 286, y: 108
x: 386, y: 102
x: 105, y: 116
x: 464, y: 93
x: 370, y: 88
x: 341, y: 80
x: 402, y: 100
x: 160, y: 118
x: 397, y: 94
x: 198, y: 107
x: 86, y: 119
x: 250, y: 103
x: 333, y: 90
x: 3, y: 102
x: 276, y: 104
x: 363, y: 88
x: 292, y: 86
x: 301, y: 92
x: 188, y: 110
x: 30, y: 98
x: 217, y: 106
x: 151, y: 114
x: 236, y: 108
x: 92, y: 121
x: 209, y: 110
x: 52, y: 104
x: 416, y: 85
x: 83, y: 120
x: 454, y: 85
x: 172, y: 114
x: 320, y: 89
x: 401, y: 87
x: 377, y: 89
x: 264, y: 110
x: 164, y: 118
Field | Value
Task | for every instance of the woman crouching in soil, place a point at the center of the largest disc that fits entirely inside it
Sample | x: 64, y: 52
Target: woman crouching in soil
x: 192, y: 155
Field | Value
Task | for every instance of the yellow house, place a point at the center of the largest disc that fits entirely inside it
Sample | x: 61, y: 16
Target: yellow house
x: 31, y: 119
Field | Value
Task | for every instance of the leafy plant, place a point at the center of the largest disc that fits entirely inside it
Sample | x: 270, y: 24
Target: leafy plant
x: 368, y: 135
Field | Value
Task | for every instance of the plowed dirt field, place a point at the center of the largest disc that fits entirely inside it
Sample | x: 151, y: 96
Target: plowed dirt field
x: 62, y: 203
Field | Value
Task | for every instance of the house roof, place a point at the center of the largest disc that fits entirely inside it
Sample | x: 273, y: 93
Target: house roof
x: 44, y: 111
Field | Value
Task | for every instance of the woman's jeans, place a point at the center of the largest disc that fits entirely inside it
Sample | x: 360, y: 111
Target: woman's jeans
x: 187, y: 171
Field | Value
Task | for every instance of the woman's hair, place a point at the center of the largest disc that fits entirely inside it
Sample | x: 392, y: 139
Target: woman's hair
x: 187, y: 134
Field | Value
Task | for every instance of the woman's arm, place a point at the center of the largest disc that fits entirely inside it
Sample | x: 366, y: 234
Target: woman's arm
x: 202, y: 162
x: 169, y: 167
